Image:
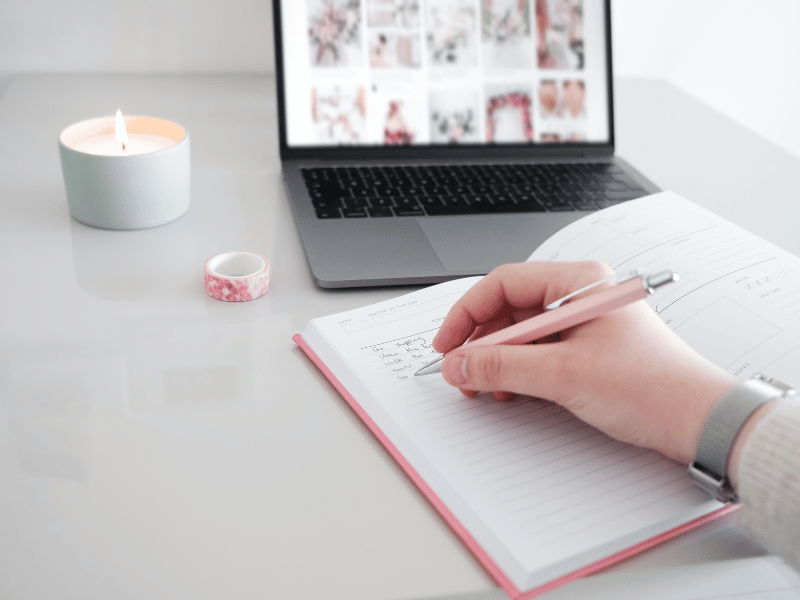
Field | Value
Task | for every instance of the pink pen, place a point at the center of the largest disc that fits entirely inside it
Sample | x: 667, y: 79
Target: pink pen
x: 629, y: 287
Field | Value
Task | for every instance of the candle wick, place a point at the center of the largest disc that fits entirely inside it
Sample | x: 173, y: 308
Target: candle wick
x: 123, y: 145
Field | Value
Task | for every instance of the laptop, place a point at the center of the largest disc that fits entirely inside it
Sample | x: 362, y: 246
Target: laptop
x: 426, y: 140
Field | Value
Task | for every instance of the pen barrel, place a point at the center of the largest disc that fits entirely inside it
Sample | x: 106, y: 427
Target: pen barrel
x: 573, y: 313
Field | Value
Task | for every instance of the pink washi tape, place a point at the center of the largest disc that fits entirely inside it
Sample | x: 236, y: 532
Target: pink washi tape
x: 236, y: 276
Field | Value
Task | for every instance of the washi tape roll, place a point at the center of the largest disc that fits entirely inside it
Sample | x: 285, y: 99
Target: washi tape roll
x: 236, y: 276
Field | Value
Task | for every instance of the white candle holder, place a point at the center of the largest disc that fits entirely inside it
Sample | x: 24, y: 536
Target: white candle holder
x: 144, y: 185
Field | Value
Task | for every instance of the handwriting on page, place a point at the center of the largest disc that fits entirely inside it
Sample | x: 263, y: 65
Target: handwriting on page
x: 399, y: 358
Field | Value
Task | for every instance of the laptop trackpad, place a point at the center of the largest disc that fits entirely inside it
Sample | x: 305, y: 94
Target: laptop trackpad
x: 479, y: 244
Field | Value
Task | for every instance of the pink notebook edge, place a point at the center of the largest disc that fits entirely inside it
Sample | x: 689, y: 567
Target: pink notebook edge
x: 470, y: 542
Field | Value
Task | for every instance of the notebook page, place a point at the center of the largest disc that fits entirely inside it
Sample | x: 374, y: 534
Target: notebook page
x: 542, y: 492
x: 728, y: 276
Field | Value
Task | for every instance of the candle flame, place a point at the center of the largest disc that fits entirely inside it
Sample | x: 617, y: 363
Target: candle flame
x: 120, y: 131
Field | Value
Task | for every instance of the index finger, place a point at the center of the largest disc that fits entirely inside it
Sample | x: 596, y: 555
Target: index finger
x: 522, y: 286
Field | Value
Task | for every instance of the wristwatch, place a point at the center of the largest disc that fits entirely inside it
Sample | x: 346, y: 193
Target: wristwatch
x: 709, y: 469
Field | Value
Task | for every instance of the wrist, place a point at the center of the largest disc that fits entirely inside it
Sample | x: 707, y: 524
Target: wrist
x: 700, y: 402
x: 726, y: 430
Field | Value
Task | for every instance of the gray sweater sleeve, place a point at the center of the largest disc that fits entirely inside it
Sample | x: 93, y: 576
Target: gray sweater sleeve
x: 769, y: 482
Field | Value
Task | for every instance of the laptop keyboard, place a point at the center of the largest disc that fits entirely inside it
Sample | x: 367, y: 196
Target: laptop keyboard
x: 415, y: 191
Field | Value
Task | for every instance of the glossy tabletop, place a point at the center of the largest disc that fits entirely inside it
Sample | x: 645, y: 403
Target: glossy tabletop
x: 157, y: 443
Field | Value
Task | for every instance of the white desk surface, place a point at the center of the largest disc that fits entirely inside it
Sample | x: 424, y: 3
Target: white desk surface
x: 156, y: 443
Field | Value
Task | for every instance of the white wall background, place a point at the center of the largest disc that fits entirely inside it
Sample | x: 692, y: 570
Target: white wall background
x: 136, y: 36
x: 740, y: 56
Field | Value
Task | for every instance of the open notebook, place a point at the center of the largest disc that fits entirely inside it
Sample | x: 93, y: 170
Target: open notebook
x: 538, y: 496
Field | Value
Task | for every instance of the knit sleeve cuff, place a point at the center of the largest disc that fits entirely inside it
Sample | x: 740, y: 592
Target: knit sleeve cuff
x: 769, y: 481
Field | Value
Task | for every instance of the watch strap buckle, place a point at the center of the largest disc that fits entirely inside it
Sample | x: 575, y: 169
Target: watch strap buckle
x: 720, y: 488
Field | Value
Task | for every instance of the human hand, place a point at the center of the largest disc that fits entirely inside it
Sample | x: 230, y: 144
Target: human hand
x: 625, y: 372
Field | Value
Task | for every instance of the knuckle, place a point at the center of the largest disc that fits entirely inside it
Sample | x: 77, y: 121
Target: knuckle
x: 597, y: 269
x: 502, y: 271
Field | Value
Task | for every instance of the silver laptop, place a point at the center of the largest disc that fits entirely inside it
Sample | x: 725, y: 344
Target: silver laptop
x: 424, y: 140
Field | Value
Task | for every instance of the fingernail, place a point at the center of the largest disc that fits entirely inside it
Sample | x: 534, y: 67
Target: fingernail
x: 454, y: 370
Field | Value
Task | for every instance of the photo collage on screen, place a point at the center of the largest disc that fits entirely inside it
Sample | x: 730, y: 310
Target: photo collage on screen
x: 398, y: 72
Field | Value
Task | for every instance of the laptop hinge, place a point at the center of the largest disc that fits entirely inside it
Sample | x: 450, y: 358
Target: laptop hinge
x: 566, y: 155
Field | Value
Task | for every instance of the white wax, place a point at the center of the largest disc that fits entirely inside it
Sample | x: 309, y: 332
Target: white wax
x: 107, y: 145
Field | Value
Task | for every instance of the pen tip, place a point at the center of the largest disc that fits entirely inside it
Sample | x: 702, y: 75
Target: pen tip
x: 435, y: 366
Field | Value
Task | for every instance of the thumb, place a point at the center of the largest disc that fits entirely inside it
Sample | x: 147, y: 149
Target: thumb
x: 535, y: 370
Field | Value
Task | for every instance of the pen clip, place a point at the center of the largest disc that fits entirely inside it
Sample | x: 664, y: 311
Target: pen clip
x: 617, y: 279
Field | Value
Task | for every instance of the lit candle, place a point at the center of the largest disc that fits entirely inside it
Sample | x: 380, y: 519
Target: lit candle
x: 118, y: 142
x: 119, y: 130
x: 126, y: 172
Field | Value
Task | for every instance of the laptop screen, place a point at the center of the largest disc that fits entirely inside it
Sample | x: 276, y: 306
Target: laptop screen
x: 444, y: 72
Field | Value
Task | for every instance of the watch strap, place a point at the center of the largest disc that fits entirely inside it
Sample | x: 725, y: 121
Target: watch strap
x: 710, y: 467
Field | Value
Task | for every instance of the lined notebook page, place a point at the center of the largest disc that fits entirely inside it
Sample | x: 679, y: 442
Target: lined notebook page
x: 543, y: 493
